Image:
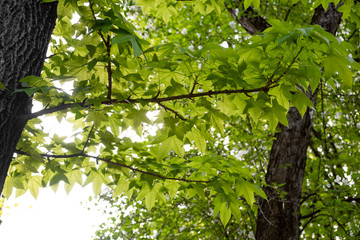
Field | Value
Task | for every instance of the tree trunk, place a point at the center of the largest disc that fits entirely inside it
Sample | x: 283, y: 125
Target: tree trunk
x: 279, y: 217
x: 25, y: 30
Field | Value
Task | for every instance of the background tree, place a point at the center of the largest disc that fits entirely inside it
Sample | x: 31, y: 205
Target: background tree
x: 182, y: 219
x: 128, y: 73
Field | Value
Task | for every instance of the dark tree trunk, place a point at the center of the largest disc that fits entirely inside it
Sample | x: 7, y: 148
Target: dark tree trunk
x: 279, y: 217
x: 25, y: 30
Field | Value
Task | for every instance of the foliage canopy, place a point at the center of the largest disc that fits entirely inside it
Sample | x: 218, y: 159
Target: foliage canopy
x: 213, y: 93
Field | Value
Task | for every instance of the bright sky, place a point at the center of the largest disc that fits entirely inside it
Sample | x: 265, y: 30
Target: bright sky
x: 55, y: 216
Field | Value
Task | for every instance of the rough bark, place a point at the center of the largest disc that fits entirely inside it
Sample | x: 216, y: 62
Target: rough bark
x: 279, y: 217
x: 249, y: 19
x: 25, y: 30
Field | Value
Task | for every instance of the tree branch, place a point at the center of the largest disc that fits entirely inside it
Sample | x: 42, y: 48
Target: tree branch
x: 116, y: 164
x: 149, y: 100
x: 249, y: 19
x: 270, y: 84
x: 321, y: 17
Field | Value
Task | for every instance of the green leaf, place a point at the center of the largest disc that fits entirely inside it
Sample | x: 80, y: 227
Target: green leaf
x: 57, y: 178
x: 33, y: 81
x: 121, y: 186
x: 306, y: 30
x: 136, y: 47
x: 133, y: 77
x: 301, y: 102
x: 164, y: 13
x: 271, y: 116
x: 217, y: 122
x: 150, y: 199
x: 146, y: 5
x: 254, y: 109
x: 340, y: 65
x: 8, y: 188
x: 92, y: 64
x: 312, y: 73
x: 280, y: 112
x: 115, y: 123
x: 346, y: 8
x: 259, y: 191
x: 217, y: 203
x: 320, y: 37
x: 247, y: 4
x: 34, y: 184
x: 172, y: 187
x: 145, y: 189
x: 97, y: 117
x: 122, y: 37
x: 250, y: 56
x: 97, y: 182
x: 283, y: 96
x: 91, y: 49
x: 171, y: 143
x: 242, y: 66
x: 246, y: 190
x: 225, y: 213
x: 198, y: 138
x: 75, y: 176
x: 138, y: 117
x: 2, y: 86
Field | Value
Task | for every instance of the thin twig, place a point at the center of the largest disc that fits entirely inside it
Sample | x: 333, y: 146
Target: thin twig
x: 307, y: 223
x: 107, y: 43
x: 353, y: 33
x: 290, y: 65
x: 309, y: 215
x: 94, y: 16
x: 288, y: 12
x: 173, y: 111
x: 88, y: 139
x: 343, y: 228
x: 116, y: 164
x: 193, y: 87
